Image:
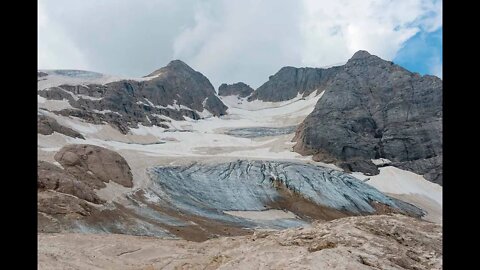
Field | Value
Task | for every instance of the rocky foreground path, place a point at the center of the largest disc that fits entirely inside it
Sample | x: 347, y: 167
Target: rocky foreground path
x: 368, y: 242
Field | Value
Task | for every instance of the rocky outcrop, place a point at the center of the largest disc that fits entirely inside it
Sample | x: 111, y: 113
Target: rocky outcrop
x: 52, y: 177
x: 95, y: 165
x: 375, y: 109
x: 47, y: 125
x: 288, y: 82
x: 177, y: 81
x: 175, y: 91
x: 56, y: 211
x: 67, y: 192
x: 238, y: 89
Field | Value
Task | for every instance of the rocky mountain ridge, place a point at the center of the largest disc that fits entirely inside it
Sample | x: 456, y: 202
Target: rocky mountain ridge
x: 172, y: 92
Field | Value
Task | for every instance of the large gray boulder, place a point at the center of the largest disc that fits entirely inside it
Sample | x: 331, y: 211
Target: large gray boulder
x: 239, y: 89
x: 375, y: 109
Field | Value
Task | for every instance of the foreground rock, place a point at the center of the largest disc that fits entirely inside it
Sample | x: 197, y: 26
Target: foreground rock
x: 175, y: 91
x: 373, y: 109
x: 371, y: 242
x: 239, y: 89
x: 52, y: 177
x: 67, y: 191
x: 95, y: 165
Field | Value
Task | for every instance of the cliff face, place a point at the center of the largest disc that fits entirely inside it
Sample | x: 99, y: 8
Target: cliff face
x: 288, y: 82
x: 374, y: 109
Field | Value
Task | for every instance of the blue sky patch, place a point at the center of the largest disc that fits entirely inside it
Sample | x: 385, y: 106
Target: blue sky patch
x: 422, y: 53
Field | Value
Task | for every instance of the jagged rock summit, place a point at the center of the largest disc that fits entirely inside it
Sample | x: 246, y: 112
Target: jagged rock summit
x: 173, y: 66
x: 360, y: 55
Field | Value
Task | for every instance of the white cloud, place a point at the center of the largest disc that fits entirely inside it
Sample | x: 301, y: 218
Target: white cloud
x: 334, y: 30
x: 55, y: 49
x: 226, y: 40
x: 246, y: 40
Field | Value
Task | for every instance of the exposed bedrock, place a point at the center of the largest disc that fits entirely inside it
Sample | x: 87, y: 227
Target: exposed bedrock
x: 95, y: 165
x: 239, y: 89
x: 47, y: 125
x: 375, y: 109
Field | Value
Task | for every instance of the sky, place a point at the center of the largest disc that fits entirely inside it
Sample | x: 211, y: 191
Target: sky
x: 236, y: 40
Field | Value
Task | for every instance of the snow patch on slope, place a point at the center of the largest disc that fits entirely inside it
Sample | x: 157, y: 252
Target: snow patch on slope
x: 397, y: 181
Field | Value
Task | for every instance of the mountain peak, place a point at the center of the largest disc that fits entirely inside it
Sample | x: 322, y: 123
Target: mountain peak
x: 360, y: 55
x: 175, y: 65
x: 178, y: 64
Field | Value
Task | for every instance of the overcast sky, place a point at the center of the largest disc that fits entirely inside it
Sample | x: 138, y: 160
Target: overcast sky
x: 235, y: 40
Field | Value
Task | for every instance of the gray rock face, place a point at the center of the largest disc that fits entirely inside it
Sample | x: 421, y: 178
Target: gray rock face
x: 178, y: 81
x: 47, y: 125
x: 288, y: 82
x: 94, y: 165
x: 239, y: 89
x: 176, y: 91
x: 374, y: 109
